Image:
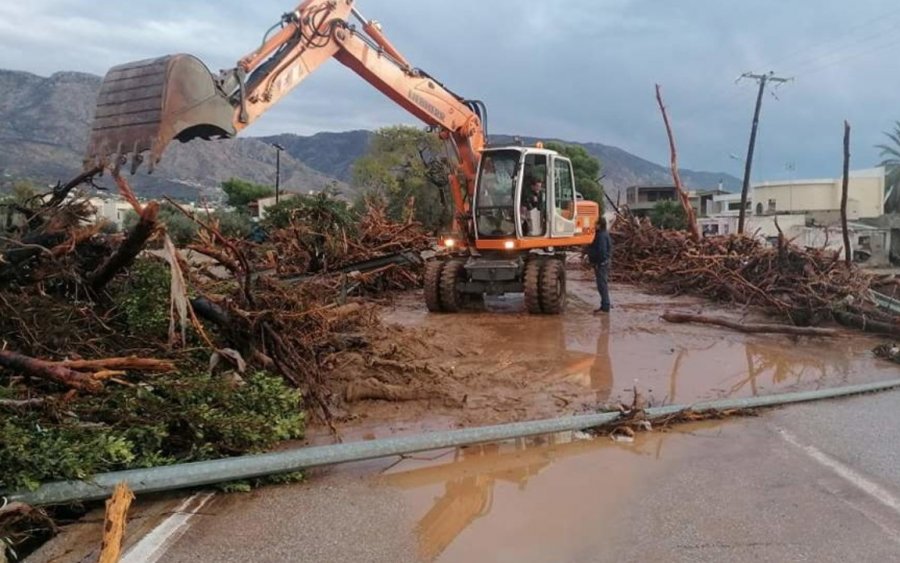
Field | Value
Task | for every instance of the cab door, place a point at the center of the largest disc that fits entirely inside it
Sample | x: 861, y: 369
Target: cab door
x: 563, y: 206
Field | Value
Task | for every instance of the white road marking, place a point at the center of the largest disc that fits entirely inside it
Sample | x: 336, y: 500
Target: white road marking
x: 871, y: 488
x: 155, y: 544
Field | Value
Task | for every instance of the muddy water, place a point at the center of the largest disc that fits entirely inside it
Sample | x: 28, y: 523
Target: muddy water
x: 606, y: 356
x: 540, y: 498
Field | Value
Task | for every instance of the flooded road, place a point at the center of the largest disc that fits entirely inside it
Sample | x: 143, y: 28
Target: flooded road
x: 516, y: 366
x: 807, y: 483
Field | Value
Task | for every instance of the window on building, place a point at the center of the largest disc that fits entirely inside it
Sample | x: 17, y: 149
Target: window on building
x: 771, y: 206
x: 759, y: 208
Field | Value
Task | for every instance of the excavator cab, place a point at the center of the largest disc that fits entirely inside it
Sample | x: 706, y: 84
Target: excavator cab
x: 144, y: 105
x: 526, y: 213
x: 525, y: 199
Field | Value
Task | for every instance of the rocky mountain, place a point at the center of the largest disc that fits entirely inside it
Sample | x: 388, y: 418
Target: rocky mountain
x: 333, y: 154
x: 44, y: 125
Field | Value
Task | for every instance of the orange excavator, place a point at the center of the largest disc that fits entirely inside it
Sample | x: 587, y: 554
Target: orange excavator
x: 516, y: 208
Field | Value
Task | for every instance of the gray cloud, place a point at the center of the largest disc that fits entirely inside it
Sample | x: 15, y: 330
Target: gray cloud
x: 579, y: 69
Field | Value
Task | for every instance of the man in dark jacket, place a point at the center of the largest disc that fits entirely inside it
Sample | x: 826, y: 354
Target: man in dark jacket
x: 600, y: 254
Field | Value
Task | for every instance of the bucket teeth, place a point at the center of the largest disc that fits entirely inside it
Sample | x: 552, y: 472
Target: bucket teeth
x: 144, y: 105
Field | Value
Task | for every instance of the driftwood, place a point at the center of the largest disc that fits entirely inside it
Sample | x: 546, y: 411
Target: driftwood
x: 371, y: 389
x: 129, y: 363
x: 867, y: 324
x: 22, y: 403
x: 129, y: 249
x: 49, y: 371
x: 114, y: 523
x: 800, y: 285
x: 749, y: 327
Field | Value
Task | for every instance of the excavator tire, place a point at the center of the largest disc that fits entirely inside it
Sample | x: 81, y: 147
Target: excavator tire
x: 451, y: 298
x: 433, y: 285
x: 553, y: 287
x: 533, y: 285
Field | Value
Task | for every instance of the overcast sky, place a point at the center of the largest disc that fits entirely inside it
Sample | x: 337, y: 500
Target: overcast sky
x: 577, y: 69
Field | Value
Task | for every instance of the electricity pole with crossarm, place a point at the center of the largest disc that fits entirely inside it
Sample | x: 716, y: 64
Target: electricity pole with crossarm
x: 763, y: 79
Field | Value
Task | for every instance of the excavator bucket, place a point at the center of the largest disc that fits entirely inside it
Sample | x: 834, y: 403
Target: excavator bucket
x: 144, y: 105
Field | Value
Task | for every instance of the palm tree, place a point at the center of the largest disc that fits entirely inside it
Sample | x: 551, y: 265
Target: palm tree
x: 890, y: 154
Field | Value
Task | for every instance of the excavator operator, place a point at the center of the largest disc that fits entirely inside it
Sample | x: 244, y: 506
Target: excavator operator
x: 534, y: 205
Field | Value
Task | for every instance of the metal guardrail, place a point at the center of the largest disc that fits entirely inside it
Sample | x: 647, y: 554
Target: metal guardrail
x: 200, y: 473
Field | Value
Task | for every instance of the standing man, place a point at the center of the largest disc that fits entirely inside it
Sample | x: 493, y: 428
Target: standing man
x: 600, y: 255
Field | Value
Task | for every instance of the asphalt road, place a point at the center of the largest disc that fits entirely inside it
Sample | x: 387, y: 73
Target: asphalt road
x: 816, y: 482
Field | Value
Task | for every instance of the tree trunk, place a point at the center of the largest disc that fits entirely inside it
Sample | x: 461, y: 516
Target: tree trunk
x: 49, y: 371
x: 749, y: 327
x: 689, y: 214
x: 129, y: 249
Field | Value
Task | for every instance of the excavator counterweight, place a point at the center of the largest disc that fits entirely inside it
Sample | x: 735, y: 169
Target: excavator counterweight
x: 144, y: 105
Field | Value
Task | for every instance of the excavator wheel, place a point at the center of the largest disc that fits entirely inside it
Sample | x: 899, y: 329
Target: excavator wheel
x: 553, y: 287
x: 451, y: 298
x: 433, y: 285
x: 533, y: 285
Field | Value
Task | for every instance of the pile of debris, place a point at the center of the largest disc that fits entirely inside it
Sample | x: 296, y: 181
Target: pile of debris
x: 806, y: 286
x: 114, y: 356
x: 322, y: 239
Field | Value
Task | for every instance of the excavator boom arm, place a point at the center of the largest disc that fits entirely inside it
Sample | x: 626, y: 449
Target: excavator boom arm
x: 143, y: 106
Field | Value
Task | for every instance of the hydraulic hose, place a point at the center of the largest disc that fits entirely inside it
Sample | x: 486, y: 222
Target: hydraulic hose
x: 197, y: 474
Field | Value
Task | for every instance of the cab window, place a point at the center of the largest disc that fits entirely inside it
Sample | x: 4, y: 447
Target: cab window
x: 495, y: 194
x: 564, y: 189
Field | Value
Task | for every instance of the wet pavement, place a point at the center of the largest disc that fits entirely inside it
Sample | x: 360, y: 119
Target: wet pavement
x: 817, y: 482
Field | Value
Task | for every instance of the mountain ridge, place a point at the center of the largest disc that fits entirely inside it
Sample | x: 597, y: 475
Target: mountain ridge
x: 45, y: 122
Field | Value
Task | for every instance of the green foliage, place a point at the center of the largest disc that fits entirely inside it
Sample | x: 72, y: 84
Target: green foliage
x: 323, y: 212
x: 182, y: 230
x: 586, y: 169
x: 326, y: 221
x: 668, y: 215
x: 179, y: 418
x: 890, y: 154
x: 233, y: 224
x: 239, y: 193
x: 144, y: 298
x: 393, y: 171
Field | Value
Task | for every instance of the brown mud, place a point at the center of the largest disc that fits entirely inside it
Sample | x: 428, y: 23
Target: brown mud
x: 499, y: 364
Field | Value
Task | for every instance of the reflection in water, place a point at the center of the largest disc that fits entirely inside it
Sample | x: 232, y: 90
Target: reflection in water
x: 601, y: 369
x: 470, y: 478
x: 772, y: 362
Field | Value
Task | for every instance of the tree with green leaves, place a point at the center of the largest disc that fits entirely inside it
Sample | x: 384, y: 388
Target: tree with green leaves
x: 586, y: 169
x: 668, y: 214
x: 890, y: 154
x: 181, y: 229
x: 240, y: 193
x: 401, y: 166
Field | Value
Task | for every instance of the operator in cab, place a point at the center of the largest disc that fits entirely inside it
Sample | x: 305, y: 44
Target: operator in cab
x: 534, y: 204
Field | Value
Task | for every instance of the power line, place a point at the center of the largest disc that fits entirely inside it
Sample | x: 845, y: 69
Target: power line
x: 848, y: 56
x: 837, y: 40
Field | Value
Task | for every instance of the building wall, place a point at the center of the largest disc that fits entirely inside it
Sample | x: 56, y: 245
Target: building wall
x: 865, y: 195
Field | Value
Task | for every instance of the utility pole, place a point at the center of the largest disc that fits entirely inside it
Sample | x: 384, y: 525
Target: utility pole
x: 763, y: 79
x: 278, y: 149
